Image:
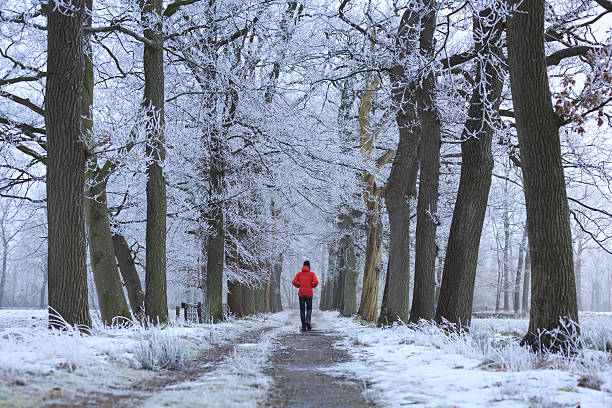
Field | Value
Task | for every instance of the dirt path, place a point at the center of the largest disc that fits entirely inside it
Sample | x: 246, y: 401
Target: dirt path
x: 298, y: 382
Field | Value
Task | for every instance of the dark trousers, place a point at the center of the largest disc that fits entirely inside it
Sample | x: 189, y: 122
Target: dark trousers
x: 305, y: 303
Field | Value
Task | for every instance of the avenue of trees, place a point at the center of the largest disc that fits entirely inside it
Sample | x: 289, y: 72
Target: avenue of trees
x: 429, y: 156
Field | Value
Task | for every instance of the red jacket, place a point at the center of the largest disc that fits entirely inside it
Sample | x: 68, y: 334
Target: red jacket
x: 305, y: 280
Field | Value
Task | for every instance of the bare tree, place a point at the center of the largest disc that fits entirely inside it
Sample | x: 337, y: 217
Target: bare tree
x: 458, y: 277
x: 553, y: 288
x: 155, y: 279
x: 66, y: 165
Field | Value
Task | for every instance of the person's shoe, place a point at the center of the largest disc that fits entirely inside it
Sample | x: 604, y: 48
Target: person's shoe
x: 308, y: 326
x: 304, y: 329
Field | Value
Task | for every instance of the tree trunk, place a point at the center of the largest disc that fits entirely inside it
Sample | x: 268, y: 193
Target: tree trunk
x: 459, y: 274
x: 396, y: 296
x: 328, y: 298
x: 519, y: 272
x: 276, y: 285
x: 156, y: 301
x: 368, y: 306
x: 507, y: 245
x: 578, y: 267
x: 234, y: 298
x: 5, y: 247
x: 439, y: 267
x: 43, y: 289
x: 426, y: 249
x: 268, y: 289
x: 261, y: 299
x: 349, y: 304
x: 526, y: 281
x: 330, y: 292
x: 131, y: 280
x: 65, y: 167
x: 338, y: 298
x: 324, y: 286
x: 553, y: 285
x: 500, y: 275
x: 247, y: 303
x: 325, y: 303
x: 111, y: 299
x: 215, y: 250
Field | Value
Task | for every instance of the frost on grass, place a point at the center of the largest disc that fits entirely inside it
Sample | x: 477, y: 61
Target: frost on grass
x: 106, y: 359
x: 160, y: 349
x: 237, y: 381
x: 424, y: 364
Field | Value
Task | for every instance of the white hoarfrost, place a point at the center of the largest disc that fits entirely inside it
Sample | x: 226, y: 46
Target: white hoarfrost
x: 38, y: 365
x: 238, y: 381
x: 423, y: 366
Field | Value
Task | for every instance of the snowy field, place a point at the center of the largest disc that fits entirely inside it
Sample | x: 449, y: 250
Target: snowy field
x: 400, y: 366
x: 422, y: 366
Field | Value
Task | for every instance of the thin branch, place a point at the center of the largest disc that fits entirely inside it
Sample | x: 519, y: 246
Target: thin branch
x: 121, y: 29
x: 604, y: 212
x: 593, y: 237
x: 236, y: 35
x: 23, y: 79
x: 23, y: 101
x: 350, y: 23
x: 24, y: 127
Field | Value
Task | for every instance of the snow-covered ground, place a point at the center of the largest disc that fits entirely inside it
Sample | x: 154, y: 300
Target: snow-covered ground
x: 38, y: 365
x: 425, y: 367
x: 417, y: 366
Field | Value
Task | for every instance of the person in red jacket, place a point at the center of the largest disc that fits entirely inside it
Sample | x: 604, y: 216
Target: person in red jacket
x: 305, y: 281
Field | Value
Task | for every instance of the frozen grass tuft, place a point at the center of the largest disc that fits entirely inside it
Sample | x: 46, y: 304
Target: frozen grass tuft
x: 160, y: 349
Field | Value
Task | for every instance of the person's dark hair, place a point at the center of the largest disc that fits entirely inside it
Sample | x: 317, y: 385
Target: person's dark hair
x: 307, y: 263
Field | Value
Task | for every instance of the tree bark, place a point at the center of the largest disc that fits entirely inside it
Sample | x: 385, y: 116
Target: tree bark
x: 526, y: 281
x: 459, y: 274
x: 579, y: 250
x: 396, y: 296
x: 156, y: 307
x: 519, y: 273
x: 111, y: 299
x: 349, y: 304
x: 324, y: 286
x: 338, y: 298
x: 43, y: 289
x: 131, y: 280
x: 553, y: 284
x: 277, y: 305
x: 261, y: 299
x: 500, y: 275
x: 5, y: 247
x: 426, y: 249
x: 65, y: 167
x: 216, y: 242
x: 328, y: 290
x: 507, y: 244
x: 234, y: 298
x: 368, y: 306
